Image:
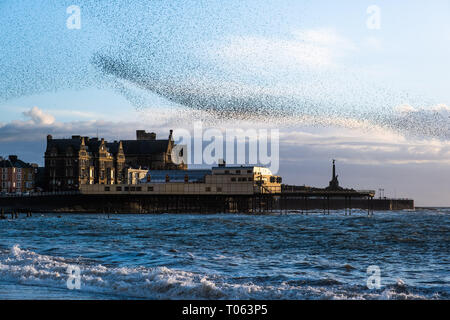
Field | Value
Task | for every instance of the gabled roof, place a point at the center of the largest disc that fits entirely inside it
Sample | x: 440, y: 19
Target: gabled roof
x: 94, y: 145
x: 6, y: 163
x: 20, y: 164
x: 113, y: 147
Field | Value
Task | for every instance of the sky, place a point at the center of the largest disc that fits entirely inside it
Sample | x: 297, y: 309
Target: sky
x: 336, y: 81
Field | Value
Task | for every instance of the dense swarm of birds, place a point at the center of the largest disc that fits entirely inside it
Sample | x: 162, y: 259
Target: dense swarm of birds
x: 166, y: 48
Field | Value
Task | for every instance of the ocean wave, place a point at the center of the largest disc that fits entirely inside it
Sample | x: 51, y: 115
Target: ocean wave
x: 26, y: 267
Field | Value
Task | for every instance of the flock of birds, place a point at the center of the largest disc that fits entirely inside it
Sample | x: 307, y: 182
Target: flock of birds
x: 153, y: 54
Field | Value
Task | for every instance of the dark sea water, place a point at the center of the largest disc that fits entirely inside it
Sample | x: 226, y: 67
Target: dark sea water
x: 227, y: 256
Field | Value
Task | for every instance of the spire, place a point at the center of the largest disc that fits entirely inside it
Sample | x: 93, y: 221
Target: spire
x: 334, y: 183
x: 334, y: 169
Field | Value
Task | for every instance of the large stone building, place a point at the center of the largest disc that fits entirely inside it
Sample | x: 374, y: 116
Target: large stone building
x: 70, y: 163
x: 147, y: 152
x: 16, y: 176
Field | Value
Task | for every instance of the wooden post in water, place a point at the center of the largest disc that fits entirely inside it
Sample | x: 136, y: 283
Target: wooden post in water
x: 345, y: 205
x: 350, y: 205
x: 328, y: 203
x: 306, y: 204
x: 368, y: 205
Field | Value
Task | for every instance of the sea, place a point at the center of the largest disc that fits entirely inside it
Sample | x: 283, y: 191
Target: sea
x: 390, y: 255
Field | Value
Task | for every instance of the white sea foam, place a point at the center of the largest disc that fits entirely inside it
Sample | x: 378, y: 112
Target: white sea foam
x: 26, y: 267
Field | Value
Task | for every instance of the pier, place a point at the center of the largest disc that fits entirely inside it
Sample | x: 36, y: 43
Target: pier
x: 257, y: 203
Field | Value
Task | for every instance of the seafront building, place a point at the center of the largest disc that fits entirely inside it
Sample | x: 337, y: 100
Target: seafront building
x: 221, y: 180
x: 77, y: 161
x: 16, y: 176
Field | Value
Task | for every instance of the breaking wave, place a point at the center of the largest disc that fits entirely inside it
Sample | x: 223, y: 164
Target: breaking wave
x: 28, y: 268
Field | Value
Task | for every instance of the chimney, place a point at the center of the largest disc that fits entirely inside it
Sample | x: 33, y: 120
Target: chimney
x: 49, y: 137
x: 142, y: 135
x: 12, y: 158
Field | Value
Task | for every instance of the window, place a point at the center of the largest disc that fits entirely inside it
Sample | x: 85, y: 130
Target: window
x: 208, y: 189
x: 233, y: 179
x: 127, y: 189
x: 138, y: 188
x: 132, y: 188
x: 107, y: 189
x: 238, y: 171
x: 249, y: 171
x: 219, y: 189
x: 150, y: 189
x: 118, y: 188
x: 227, y: 171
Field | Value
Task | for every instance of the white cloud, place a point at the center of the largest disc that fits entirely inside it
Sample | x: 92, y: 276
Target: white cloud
x: 373, y: 43
x: 304, y: 48
x: 439, y: 108
x: 404, y: 108
x: 39, y: 117
x: 326, y: 37
x: 41, y: 123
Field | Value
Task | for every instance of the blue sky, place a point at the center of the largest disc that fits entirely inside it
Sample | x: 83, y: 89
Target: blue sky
x: 348, y: 80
